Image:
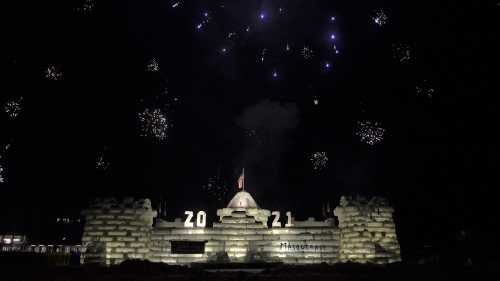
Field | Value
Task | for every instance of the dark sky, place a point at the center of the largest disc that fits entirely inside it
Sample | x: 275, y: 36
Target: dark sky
x: 436, y: 161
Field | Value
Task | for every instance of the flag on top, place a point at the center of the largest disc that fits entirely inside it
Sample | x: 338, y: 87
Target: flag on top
x: 241, y: 180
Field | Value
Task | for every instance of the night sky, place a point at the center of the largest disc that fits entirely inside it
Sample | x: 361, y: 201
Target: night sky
x: 235, y: 97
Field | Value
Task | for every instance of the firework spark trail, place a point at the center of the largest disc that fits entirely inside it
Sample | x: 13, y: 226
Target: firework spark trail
x: 102, y: 163
x: 2, y: 152
x: 2, y: 179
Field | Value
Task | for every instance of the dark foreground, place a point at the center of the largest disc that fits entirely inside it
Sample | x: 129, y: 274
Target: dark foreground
x: 144, y: 271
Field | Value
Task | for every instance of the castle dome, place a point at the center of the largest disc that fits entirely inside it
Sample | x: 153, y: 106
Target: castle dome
x: 242, y: 199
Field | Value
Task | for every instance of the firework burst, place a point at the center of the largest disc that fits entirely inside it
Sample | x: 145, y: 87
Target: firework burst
x: 13, y: 108
x: 307, y: 53
x: 370, y: 132
x: 53, y: 73
x: 87, y: 6
x: 425, y: 89
x: 401, y: 52
x: 380, y: 18
x: 319, y: 160
x: 154, y: 124
x: 153, y: 65
x: 216, y: 187
x: 251, y: 31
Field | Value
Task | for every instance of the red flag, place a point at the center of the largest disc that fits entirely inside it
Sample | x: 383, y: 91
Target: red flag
x: 241, y: 180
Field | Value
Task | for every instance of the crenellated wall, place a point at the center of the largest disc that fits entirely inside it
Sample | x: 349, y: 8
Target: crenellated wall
x: 115, y: 231
x: 367, y: 231
x: 308, y: 242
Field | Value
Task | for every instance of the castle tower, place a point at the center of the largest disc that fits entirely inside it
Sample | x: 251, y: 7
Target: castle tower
x: 368, y: 232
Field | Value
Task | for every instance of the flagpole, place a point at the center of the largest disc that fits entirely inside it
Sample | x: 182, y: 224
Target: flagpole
x: 243, y: 179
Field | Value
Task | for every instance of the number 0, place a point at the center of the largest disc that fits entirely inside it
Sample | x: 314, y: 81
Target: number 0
x: 201, y: 219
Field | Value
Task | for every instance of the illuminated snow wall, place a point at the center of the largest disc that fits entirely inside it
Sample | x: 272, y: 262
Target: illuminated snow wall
x: 367, y: 231
x: 116, y: 231
x: 306, y: 242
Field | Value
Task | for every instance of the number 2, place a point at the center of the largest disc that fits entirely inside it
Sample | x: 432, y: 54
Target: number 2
x: 188, y: 222
x: 276, y: 222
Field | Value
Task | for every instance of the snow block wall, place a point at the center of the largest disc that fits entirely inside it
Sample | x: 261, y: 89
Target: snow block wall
x: 241, y: 239
x: 116, y: 231
x: 367, y: 231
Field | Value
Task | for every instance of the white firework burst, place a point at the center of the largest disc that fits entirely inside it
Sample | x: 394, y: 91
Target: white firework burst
x: 13, y: 108
x: 53, y: 73
x: 319, y: 160
x: 424, y: 89
x: 401, y: 52
x: 380, y: 18
x: 307, y: 52
x: 154, y: 123
x: 216, y: 187
x: 87, y: 6
x: 370, y: 132
x: 153, y: 65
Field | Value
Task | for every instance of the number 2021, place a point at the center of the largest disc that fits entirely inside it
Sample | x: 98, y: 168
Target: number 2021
x: 201, y: 219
